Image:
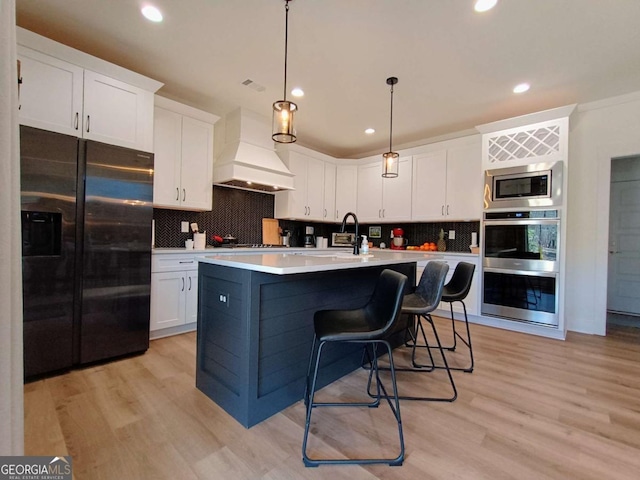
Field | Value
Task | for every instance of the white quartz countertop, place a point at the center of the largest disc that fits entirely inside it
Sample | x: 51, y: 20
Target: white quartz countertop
x: 308, y: 261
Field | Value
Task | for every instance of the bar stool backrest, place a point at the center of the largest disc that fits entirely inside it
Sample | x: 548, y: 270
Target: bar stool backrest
x: 431, y: 283
x: 383, y: 309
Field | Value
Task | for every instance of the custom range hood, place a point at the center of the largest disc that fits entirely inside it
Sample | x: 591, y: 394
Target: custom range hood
x: 247, y: 159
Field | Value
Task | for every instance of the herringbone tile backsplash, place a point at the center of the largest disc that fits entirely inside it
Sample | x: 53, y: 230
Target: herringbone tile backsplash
x: 240, y: 213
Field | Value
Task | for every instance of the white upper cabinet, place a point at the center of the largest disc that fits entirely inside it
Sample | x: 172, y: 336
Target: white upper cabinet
x: 117, y: 113
x: 50, y: 93
x: 346, y: 190
x: 384, y: 199
x: 183, y: 157
x: 447, y: 183
x: 63, y: 97
x: 329, y: 213
x: 306, y: 201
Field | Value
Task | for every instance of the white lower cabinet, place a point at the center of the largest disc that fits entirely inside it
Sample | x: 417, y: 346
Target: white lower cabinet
x: 471, y: 302
x: 174, y: 293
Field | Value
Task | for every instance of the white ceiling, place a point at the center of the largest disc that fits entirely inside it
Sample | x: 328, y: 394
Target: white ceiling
x: 456, y: 68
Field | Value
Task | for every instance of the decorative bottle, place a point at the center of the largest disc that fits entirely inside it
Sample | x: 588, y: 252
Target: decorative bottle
x: 442, y: 245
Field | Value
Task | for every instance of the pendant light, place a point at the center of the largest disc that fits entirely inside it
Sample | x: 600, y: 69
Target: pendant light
x: 390, y: 161
x: 283, y: 110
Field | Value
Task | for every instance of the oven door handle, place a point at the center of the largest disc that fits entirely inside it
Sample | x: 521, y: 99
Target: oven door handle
x: 531, y: 273
x: 529, y: 221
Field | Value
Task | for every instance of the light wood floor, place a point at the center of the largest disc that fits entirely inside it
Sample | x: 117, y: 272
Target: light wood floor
x: 534, y: 409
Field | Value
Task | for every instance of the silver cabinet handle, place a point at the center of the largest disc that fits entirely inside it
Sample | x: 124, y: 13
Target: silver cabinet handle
x: 184, y: 194
x: 324, y: 215
x: 447, y: 209
x: 384, y: 213
x: 443, y: 210
x: 186, y: 261
x: 189, y: 283
x: 88, y: 122
x: 177, y: 194
x: 183, y: 284
x: 75, y: 125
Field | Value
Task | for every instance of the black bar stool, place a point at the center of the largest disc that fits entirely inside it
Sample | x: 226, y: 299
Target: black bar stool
x: 370, y: 326
x: 456, y: 291
x: 420, y: 304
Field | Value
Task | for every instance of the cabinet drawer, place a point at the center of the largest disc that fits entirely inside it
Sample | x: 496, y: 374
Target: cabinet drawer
x: 174, y: 262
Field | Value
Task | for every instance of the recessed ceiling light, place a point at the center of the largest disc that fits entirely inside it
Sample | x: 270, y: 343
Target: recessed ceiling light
x: 521, y: 88
x: 484, y: 5
x: 151, y: 13
x: 297, y: 92
x: 370, y: 131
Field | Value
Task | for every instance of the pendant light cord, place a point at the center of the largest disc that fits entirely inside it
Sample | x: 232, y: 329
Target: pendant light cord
x: 391, y: 121
x: 286, y: 43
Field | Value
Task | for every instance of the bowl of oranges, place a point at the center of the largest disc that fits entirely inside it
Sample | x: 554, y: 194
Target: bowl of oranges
x: 425, y: 247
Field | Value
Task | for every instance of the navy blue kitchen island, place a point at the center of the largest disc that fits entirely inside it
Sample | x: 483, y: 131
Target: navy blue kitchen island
x: 255, y: 323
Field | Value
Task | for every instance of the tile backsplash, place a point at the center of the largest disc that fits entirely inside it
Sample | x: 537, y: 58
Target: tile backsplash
x: 240, y: 213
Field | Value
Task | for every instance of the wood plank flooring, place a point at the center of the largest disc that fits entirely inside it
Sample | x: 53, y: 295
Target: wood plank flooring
x: 534, y: 408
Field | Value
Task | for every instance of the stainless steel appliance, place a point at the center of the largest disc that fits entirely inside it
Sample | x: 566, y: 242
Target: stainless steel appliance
x: 309, y: 239
x: 342, y: 239
x: 86, y: 231
x: 528, y: 186
x: 521, y: 265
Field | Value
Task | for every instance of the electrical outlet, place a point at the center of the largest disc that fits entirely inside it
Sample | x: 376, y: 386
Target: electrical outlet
x: 184, y: 227
x: 452, y: 234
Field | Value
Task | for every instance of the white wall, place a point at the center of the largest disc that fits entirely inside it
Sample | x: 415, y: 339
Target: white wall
x: 599, y: 131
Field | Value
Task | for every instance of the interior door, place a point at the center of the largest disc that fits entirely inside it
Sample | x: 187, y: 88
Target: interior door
x: 623, y: 290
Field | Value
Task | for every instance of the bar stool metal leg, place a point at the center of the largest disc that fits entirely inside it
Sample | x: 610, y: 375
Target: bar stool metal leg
x: 381, y: 393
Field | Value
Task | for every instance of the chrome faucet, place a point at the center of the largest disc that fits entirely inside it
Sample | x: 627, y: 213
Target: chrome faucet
x: 356, y: 246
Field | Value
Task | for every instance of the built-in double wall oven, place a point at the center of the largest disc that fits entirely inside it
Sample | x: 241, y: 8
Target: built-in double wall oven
x: 521, y: 265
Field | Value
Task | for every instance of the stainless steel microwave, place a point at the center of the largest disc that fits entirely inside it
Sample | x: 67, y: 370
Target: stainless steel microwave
x: 527, y: 186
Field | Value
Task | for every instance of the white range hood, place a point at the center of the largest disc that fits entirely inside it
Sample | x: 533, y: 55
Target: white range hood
x: 248, y: 159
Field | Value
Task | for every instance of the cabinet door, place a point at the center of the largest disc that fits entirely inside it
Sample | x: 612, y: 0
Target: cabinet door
x: 197, y: 165
x: 191, y: 298
x: 329, y: 212
x: 369, y: 193
x: 346, y: 190
x: 167, y: 158
x: 50, y: 93
x: 396, y: 194
x: 464, y: 183
x: 168, y: 294
x: 429, y: 186
x: 117, y: 113
x: 315, y: 189
x: 296, y: 200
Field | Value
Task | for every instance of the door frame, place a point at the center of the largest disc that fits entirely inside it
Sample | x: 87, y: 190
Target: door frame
x: 605, y: 157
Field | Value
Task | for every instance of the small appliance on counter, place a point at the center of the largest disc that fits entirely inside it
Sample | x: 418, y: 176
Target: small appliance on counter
x: 285, y: 237
x: 342, y: 239
x: 309, y: 239
x: 398, y: 241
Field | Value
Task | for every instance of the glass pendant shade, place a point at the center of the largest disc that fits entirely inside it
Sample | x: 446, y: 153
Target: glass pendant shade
x: 283, y: 117
x: 390, y: 164
x: 390, y: 160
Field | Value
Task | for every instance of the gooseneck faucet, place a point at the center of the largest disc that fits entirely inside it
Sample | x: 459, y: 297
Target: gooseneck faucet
x: 356, y: 246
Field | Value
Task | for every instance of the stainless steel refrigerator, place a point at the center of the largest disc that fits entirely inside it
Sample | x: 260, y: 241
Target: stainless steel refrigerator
x: 86, y: 250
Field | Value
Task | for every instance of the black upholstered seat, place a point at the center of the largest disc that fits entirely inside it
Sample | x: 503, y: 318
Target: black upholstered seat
x: 369, y: 325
